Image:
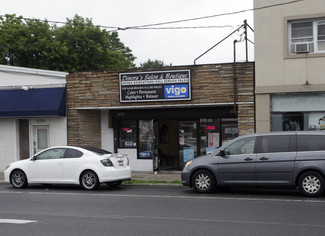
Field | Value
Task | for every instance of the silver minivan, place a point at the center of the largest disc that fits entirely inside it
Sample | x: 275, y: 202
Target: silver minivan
x: 276, y: 159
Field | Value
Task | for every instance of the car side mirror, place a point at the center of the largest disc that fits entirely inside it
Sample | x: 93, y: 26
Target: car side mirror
x: 224, y: 154
x: 33, y: 158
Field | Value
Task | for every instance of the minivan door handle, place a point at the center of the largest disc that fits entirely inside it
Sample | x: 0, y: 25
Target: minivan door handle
x: 248, y: 159
x: 264, y: 158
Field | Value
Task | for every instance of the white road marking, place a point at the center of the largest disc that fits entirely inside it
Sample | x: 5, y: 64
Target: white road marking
x: 272, y: 199
x: 161, y: 218
x: 15, y: 221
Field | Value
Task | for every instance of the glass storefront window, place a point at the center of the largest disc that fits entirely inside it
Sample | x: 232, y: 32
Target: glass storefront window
x: 298, y: 111
x: 229, y: 129
x: 178, y: 141
x: 127, y: 134
x: 298, y: 102
x: 296, y: 121
x: 209, y: 135
x: 146, y: 139
x: 316, y: 121
x: 291, y: 121
x: 187, y: 140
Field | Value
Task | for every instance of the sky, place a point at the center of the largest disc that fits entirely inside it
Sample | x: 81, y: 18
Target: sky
x: 172, y: 46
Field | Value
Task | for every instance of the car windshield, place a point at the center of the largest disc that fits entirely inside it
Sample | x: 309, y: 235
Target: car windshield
x: 96, y: 150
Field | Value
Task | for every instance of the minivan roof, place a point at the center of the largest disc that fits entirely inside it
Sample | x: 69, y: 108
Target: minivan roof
x: 312, y: 132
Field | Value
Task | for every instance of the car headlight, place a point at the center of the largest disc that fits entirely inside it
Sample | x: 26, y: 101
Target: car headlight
x: 107, y: 162
x: 188, y: 164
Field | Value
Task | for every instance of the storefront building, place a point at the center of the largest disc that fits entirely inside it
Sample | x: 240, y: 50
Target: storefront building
x: 32, y: 112
x: 290, y: 59
x: 161, y: 118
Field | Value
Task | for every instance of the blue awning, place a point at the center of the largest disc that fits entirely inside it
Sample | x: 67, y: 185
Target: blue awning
x: 33, y: 102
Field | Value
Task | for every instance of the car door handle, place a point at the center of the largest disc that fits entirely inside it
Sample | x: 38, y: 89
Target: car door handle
x: 264, y: 158
x: 248, y: 159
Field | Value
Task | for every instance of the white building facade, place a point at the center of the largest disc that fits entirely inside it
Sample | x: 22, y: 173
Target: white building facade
x: 32, y: 112
x: 289, y: 65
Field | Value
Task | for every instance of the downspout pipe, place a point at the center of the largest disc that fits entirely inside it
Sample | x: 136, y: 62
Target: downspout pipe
x: 235, y: 79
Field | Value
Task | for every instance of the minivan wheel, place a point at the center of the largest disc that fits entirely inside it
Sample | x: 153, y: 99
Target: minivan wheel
x: 203, y: 181
x: 18, y: 179
x: 311, y: 184
x: 89, y: 180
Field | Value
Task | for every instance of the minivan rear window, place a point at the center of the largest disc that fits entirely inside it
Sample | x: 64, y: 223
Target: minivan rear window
x: 310, y: 143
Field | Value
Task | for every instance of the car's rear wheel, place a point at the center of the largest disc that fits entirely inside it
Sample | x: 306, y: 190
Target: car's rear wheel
x: 203, y: 181
x: 311, y: 184
x: 89, y: 180
x: 18, y: 179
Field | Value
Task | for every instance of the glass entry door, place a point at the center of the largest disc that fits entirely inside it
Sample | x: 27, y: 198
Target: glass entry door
x: 40, y: 138
x: 148, y: 142
x: 187, y: 132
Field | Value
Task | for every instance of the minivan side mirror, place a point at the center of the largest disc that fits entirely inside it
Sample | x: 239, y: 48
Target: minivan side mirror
x: 224, y: 154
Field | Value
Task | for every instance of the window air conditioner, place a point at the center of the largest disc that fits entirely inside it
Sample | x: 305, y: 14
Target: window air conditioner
x: 302, y: 48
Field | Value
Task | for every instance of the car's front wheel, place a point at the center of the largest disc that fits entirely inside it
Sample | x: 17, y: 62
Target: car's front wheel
x: 89, y: 180
x: 18, y: 179
x: 203, y: 181
x: 311, y: 184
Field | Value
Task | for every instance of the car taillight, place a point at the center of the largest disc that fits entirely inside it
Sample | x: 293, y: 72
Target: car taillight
x: 107, y: 162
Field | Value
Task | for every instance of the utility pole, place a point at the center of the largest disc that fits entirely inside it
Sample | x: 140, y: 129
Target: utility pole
x: 245, y: 32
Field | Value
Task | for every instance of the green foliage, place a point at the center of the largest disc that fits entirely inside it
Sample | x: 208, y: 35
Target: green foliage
x: 75, y: 46
x: 153, y: 64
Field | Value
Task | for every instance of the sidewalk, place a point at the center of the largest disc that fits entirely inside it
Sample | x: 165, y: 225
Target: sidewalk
x: 167, y: 176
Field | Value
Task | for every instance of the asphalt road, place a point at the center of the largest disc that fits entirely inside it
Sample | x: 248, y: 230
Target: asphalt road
x: 157, y: 210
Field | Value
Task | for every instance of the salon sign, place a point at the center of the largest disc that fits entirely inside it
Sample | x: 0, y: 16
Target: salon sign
x: 151, y: 86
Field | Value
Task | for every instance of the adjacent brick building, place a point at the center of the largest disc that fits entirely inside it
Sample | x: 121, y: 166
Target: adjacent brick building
x: 161, y: 133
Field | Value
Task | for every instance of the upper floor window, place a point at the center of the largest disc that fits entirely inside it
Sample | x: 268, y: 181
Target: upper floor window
x: 307, y: 36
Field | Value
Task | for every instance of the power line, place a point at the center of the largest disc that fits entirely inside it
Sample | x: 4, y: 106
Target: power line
x: 151, y: 26
x: 212, y: 16
x: 116, y: 28
x: 61, y: 22
x: 186, y: 27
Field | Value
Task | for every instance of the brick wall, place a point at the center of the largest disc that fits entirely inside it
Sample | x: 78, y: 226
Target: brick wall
x: 210, y: 84
x: 84, y: 127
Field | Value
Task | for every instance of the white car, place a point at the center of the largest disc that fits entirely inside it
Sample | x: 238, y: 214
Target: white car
x: 87, y: 166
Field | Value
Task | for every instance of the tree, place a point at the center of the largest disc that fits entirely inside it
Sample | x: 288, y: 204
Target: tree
x: 75, y: 46
x: 153, y: 64
x: 12, y: 33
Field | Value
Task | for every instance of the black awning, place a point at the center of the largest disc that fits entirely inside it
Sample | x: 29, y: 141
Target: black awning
x: 33, y: 102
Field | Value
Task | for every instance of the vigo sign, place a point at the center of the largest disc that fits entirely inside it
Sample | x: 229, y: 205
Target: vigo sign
x: 155, y: 86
